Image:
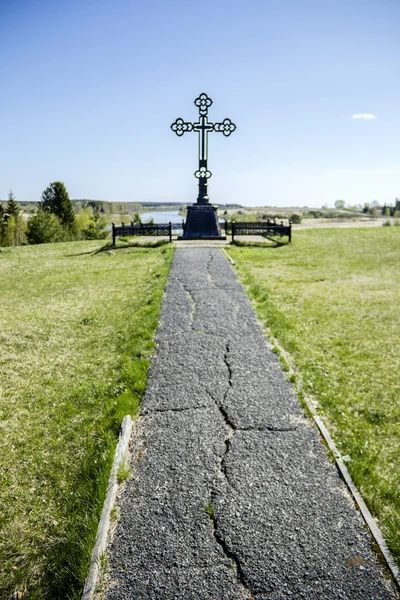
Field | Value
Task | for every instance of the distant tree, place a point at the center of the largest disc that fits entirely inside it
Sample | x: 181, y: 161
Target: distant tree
x: 295, y: 218
x: 13, y: 225
x: 55, y: 200
x: 44, y: 227
x: 15, y: 230
x: 3, y: 225
x: 10, y: 232
x: 96, y: 228
x: 12, y: 206
x: 83, y: 218
x: 136, y: 218
x: 339, y: 204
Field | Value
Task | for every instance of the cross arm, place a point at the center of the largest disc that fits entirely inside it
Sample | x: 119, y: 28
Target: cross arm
x: 180, y: 127
x: 226, y: 127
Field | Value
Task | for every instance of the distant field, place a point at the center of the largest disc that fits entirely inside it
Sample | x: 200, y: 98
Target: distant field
x: 331, y: 298
x: 76, y: 336
x: 345, y: 223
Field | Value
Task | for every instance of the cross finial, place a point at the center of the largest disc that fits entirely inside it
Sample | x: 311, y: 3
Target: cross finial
x: 203, y: 102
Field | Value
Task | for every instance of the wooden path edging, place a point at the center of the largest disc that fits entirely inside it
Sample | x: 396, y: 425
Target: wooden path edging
x: 225, y: 253
x: 358, y: 499
x: 104, y: 524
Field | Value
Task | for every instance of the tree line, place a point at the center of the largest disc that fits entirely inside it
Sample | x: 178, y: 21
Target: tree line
x: 374, y: 208
x: 54, y: 221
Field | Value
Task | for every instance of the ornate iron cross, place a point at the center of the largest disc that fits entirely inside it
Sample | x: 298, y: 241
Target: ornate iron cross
x: 203, y: 127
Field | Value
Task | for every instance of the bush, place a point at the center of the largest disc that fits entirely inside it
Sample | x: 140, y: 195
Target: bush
x: 316, y: 214
x: 44, y: 228
x: 96, y: 228
x: 83, y: 218
x: 295, y: 218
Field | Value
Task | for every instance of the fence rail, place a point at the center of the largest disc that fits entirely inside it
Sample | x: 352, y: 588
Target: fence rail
x: 265, y: 228
x: 153, y: 229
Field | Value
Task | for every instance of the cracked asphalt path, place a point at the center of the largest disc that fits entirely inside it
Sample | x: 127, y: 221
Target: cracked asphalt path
x: 232, y: 495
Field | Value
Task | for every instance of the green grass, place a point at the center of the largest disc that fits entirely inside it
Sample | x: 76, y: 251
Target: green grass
x: 123, y: 471
x: 209, y: 508
x: 76, y: 336
x: 331, y: 298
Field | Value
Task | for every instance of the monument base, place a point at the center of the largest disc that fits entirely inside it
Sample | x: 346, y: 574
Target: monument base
x: 202, y: 223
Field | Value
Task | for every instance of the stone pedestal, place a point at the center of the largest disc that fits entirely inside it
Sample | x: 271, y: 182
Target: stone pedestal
x: 202, y: 223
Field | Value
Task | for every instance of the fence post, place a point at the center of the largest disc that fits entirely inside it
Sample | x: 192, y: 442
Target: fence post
x: 290, y: 231
x: 226, y: 227
x: 183, y: 225
x: 233, y: 230
x: 170, y: 231
x: 113, y: 233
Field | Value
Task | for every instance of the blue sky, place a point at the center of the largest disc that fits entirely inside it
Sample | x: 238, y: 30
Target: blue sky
x: 90, y: 88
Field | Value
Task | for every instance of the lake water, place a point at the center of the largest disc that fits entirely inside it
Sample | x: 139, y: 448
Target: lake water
x: 161, y: 216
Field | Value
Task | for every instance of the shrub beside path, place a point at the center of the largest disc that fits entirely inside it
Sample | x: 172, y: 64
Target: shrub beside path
x: 232, y: 494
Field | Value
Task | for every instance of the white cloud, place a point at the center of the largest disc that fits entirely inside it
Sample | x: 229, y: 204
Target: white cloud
x: 365, y: 116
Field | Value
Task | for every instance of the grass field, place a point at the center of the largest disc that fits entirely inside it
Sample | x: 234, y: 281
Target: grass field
x: 331, y: 299
x: 76, y: 336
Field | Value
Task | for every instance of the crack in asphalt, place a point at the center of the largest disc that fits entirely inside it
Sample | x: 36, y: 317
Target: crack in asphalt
x: 192, y: 300
x: 208, y: 265
x: 271, y: 428
x: 232, y: 557
x: 148, y: 411
x: 230, y: 431
x: 228, y: 366
x: 230, y: 427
